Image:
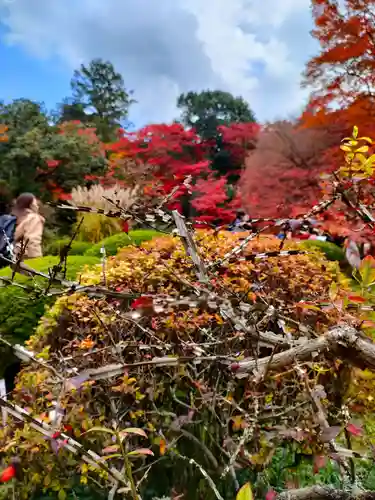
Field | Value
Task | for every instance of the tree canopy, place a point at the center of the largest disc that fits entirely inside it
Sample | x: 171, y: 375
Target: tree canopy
x: 207, y: 110
x: 100, y: 91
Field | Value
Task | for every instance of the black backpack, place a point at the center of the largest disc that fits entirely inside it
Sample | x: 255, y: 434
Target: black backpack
x: 7, y: 230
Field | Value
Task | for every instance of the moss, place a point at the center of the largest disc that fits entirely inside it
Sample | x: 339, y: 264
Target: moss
x: 113, y: 243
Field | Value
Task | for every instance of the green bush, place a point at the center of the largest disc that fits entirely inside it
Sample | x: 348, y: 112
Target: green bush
x: 331, y: 251
x: 120, y: 240
x: 20, y: 310
x: 77, y: 247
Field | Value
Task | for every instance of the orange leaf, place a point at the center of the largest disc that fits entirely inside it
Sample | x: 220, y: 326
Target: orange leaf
x: 162, y: 447
x: 356, y: 298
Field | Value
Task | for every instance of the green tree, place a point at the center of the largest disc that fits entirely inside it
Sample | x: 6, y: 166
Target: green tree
x: 100, y: 89
x: 207, y: 110
x: 70, y: 110
x: 23, y: 115
x: 40, y: 157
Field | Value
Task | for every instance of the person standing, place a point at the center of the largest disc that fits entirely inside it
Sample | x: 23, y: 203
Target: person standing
x: 29, y: 229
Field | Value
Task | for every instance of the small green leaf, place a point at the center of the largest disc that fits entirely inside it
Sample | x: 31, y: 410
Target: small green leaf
x: 245, y: 493
x: 355, y: 132
x: 101, y: 429
x: 61, y: 495
x: 114, y: 455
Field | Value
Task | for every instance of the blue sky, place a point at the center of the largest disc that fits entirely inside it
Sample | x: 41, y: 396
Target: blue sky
x: 24, y: 75
x: 250, y: 48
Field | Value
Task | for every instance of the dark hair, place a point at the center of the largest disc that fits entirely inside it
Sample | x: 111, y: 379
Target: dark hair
x: 23, y: 202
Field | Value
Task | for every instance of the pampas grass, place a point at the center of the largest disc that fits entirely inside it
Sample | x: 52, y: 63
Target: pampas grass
x: 95, y: 227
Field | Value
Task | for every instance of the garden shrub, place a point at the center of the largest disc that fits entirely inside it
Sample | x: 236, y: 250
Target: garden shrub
x: 113, y: 243
x: 330, y: 250
x: 20, y: 311
x: 76, y: 247
x: 192, y: 410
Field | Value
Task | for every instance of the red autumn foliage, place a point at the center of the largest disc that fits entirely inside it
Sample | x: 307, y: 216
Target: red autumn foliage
x: 282, y: 175
x: 344, y: 70
x: 8, y: 474
x: 161, y: 157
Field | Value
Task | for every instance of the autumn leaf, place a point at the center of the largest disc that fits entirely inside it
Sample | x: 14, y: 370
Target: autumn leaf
x: 162, y: 447
x: 141, y: 451
x: 355, y: 430
x: 132, y: 431
x: 271, y: 495
x: 245, y: 493
x: 110, y: 449
x: 356, y: 298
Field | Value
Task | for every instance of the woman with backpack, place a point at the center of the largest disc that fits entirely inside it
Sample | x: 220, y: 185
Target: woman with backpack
x: 29, y: 229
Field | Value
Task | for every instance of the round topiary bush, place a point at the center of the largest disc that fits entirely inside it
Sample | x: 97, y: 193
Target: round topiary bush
x: 330, y: 250
x: 170, y: 379
x: 76, y: 247
x: 112, y: 244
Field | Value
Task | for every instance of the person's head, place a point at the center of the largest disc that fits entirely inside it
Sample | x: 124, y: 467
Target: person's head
x: 25, y: 201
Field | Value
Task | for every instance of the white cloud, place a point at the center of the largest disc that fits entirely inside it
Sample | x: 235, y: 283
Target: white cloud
x: 252, y: 48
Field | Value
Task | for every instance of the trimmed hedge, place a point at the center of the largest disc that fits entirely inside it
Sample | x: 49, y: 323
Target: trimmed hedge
x: 113, y: 243
x: 20, y: 311
x: 330, y: 250
x: 77, y: 247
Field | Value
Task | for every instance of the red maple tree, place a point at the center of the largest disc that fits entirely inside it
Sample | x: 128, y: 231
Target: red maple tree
x: 282, y: 175
x: 343, y: 72
x: 160, y: 157
x: 342, y: 78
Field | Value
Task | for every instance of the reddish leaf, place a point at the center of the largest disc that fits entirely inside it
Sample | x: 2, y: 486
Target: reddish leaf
x: 319, y: 463
x: 141, y: 451
x: 8, y: 474
x: 271, y: 495
x: 110, y: 449
x: 356, y: 298
x: 142, y: 302
x: 354, y: 430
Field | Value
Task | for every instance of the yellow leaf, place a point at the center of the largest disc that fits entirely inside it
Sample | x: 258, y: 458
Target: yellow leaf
x: 245, y: 493
x: 362, y: 149
x: 369, y: 161
x: 333, y: 290
x: 344, y: 147
x: 84, y: 469
x: 237, y: 422
x: 367, y: 139
x: 355, y: 132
